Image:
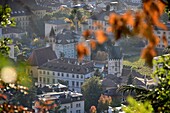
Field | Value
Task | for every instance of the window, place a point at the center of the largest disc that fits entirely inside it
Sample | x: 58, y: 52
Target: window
x: 67, y: 75
x: 53, y: 73
x: 77, y: 84
x: 115, y: 63
x: 78, y: 105
x: 78, y: 111
x: 81, y: 83
x: 115, y: 69
x: 77, y: 76
x: 48, y: 73
x: 67, y: 82
x: 31, y: 72
x: 40, y: 72
x: 158, y: 32
x: 72, y: 83
x: 40, y: 79
x: 71, y: 105
x: 48, y: 80
x: 62, y: 74
x: 58, y: 74
x: 81, y: 76
x: 43, y: 80
x: 73, y: 75
x: 43, y: 72
x: 53, y: 81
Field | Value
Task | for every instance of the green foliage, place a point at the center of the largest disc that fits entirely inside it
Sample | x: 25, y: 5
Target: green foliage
x: 91, y: 90
x: 137, y: 107
x: 139, y: 66
x: 5, y: 16
x: 158, y: 96
x: 4, y: 49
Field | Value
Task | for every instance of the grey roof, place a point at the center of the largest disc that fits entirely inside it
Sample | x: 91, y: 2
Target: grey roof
x: 68, y: 65
x: 66, y: 37
x: 101, y: 15
x: 7, y: 30
x: 111, y: 81
x: 115, y: 52
x: 63, y: 97
x: 41, y: 56
x: 57, y: 22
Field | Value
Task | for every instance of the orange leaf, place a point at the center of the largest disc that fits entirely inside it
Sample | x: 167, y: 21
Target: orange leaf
x: 86, y: 33
x: 161, y: 6
x: 165, y: 41
x: 100, y: 36
x: 148, y: 53
x: 112, y: 18
x: 109, y: 29
x: 128, y: 17
x: 153, y: 41
x: 82, y: 50
x: 93, y: 44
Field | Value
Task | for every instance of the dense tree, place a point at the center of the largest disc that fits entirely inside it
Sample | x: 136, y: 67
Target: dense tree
x: 91, y: 90
x: 93, y: 109
x: 104, y: 102
x: 159, y: 95
x: 75, y: 18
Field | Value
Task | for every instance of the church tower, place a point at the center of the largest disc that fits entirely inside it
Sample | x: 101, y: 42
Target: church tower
x: 115, y: 61
x: 51, y: 39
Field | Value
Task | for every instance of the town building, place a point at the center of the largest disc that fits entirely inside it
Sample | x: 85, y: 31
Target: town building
x: 160, y: 32
x: 57, y: 25
x: 64, y: 43
x: 69, y: 102
x: 115, y: 61
x: 24, y: 10
x: 99, y: 17
x: 13, y: 32
x: 37, y: 58
x: 70, y: 70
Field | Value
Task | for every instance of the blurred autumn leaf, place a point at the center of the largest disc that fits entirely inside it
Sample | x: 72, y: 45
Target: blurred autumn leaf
x: 140, y: 23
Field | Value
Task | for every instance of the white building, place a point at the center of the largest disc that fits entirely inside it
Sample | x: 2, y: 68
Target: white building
x: 64, y: 43
x: 160, y: 32
x: 70, y: 102
x: 13, y: 32
x: 70, y: 70
x: 115, y: 61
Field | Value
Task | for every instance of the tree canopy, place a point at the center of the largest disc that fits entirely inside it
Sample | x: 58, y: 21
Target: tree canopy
x: 91, y: 89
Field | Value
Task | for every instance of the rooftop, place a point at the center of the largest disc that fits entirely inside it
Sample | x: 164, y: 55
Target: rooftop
x: 68, y: 65
x: 41, y: 55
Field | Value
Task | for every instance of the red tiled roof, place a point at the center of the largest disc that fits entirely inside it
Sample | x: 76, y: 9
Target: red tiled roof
x: 41, y: 56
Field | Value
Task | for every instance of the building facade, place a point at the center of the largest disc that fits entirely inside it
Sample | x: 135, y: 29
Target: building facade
x: 160, y: 32
x: 57, y: 25
x: 70, y: 102
x: 115, y: 61
x: 64, y: 43
x: 69, y: 70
